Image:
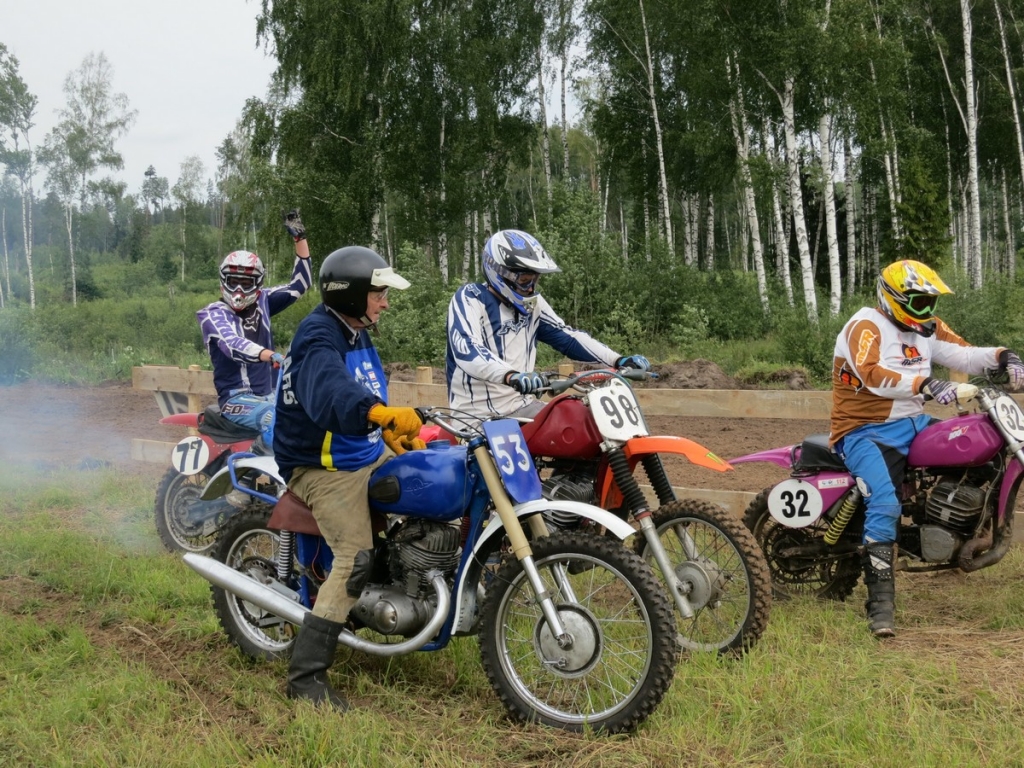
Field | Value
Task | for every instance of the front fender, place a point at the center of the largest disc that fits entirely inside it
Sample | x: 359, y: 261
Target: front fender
x: 220, y: 483
x: 466, y: 600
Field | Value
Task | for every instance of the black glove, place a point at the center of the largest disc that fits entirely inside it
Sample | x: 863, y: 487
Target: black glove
x: 294, y: 225
x: 942, y: 392
x: 526, y: 383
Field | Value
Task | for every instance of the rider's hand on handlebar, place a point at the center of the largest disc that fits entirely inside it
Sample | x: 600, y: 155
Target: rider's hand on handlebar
x: 941, y: 391
x: 400, y: 420
x: 526, y: 383
x: 1011, y: 364
x: 402, y: 443
x: 277, y: 359
x: 639, y: 362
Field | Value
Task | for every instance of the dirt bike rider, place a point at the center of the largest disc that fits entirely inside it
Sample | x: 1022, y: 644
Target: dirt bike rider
x: 334, y: 428
x: 493, y: 329
x: 881, y: 377
x: 236, y: 332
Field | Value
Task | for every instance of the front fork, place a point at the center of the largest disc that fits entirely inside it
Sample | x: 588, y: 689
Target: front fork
x: 637, y: 503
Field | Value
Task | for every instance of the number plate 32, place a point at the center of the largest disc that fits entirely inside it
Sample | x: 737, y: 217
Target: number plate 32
x: 795, y: 503
x: 1010, y: 416
x: 617, y: 412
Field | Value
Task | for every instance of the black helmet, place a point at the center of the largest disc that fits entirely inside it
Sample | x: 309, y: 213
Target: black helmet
x: 349, y: 273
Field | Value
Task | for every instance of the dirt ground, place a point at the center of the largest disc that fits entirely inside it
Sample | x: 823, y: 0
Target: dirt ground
x: 48, y: 425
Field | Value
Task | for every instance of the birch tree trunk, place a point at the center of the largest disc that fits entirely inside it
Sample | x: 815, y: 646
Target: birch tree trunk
x: 972, y: 145
x: 26, y: 228
x: 68, y: 213
x: 831, y: 231
x: 738, y: 116
x: 1008, y: 245
x: 1010, y: 87
x: 7, y: 266
x: 565, y: 119
x: 709, y: 235
x: 545, y: 141
x: 796, y: 199
x: 663, y: 198
x: 851, y: 222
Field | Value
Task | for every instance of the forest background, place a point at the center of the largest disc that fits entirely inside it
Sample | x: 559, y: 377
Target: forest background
x: 732, y: 177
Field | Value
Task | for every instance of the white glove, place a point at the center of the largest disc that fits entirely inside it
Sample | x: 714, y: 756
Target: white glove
x: 941, y: 391
x: 1011, y: 363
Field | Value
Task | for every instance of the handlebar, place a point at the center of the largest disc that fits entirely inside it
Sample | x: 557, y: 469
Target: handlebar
x: 581, y: 379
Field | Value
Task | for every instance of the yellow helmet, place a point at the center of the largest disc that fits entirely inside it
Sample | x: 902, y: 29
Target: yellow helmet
x: 907, y: 294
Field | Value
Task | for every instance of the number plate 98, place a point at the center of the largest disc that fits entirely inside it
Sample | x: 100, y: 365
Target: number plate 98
x: 617, y: 412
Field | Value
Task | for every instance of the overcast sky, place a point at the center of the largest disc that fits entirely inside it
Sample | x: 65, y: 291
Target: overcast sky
x: 187, y: 66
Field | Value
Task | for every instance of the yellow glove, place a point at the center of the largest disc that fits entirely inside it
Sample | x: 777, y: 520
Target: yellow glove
x: 401, y: 444
x: 401, y: 421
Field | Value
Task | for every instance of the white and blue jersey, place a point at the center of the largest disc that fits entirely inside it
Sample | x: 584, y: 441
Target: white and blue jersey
x: 332, y: 378
x: 235, y: 339
x: 488, y: 338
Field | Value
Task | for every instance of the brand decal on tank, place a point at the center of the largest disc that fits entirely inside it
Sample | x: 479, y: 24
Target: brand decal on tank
x: 834, y: 482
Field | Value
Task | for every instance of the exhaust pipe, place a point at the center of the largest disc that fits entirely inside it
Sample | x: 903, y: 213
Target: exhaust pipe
x: 250, y: 590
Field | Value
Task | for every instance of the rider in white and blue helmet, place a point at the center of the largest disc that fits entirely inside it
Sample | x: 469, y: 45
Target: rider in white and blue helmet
x: 513, y: 261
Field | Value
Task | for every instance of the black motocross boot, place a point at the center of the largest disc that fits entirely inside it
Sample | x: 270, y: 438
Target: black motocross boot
x: 878, y: 577
x: 312, y: 656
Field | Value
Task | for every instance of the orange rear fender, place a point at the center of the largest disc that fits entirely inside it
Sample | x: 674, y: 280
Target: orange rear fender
x: 696, y: 453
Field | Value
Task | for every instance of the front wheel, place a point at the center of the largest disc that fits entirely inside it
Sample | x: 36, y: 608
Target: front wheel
x: 176, y: 495
x: 622, y: 654
x: 799, y: 561
x: 721, y: 571
x: 248, y: 546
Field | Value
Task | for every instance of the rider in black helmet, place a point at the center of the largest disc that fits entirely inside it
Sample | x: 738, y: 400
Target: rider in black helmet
x: 334, y: 428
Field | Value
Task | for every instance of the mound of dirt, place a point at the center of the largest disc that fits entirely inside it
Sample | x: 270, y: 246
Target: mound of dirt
x: 693, y: 374
x: 792, y: 378
x: 407, y: 372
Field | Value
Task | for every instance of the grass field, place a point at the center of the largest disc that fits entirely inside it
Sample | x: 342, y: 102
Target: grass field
x: 111, y: 655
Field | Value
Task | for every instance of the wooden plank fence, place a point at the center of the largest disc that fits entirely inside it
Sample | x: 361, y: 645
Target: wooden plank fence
x: 179, y: 388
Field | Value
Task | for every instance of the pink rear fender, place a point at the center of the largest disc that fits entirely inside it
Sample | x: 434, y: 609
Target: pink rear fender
x: 781, y: 456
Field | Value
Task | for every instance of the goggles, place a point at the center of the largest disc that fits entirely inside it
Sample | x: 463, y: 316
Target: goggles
x: 382, y: 293
x: 921, y: 304
x: 245, y: 284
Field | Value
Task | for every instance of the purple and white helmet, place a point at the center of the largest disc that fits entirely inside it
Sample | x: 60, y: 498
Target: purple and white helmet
x: 512, y: 262
x: 241, y: 277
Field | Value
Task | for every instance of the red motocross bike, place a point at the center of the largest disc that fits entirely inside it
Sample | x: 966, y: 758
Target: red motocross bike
x: 184, y: 521
x: 588, y: 444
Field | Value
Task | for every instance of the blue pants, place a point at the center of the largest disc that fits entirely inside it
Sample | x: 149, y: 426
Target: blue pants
x: 253, y: 411
x: 876, y: 454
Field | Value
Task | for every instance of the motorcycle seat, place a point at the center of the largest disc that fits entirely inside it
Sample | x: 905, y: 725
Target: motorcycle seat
x: 815, y: 454
x: 221, y: 429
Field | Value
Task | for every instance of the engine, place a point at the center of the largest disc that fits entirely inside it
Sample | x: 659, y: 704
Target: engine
x: 951, y: 514
x: 567, y: 486
x: 404, y: 605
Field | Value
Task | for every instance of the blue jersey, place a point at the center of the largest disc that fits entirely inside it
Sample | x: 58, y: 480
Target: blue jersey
x: 332, y: 378
x: 488, y: 338
x: 235, y: 339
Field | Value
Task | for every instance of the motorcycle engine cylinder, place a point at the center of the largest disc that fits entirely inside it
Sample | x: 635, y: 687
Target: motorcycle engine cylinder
x: 955, y: 506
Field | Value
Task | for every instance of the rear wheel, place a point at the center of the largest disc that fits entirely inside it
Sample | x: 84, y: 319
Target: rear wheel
x: 248, y: 546
x: 175, y: 496
x: 721, y: 570
x: 798, y: 560
x: 622, y: 654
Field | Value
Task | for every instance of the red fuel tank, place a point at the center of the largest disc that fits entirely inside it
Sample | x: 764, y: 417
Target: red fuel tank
x: 564, y: 430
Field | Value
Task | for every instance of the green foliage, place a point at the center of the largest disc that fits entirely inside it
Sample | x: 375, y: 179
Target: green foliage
x: 413, y: 328
x: 810, y: 346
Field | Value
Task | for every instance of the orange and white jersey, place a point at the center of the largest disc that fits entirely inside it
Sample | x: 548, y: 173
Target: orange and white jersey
x: 878, y: 369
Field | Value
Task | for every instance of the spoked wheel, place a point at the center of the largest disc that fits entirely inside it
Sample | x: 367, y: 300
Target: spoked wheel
x: 798, y: 558
x: 721, y: 572
x: 248, y: 546
x: 622, y: 651
x: 175, y: 496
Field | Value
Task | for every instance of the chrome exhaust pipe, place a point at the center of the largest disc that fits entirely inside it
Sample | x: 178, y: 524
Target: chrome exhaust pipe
x: 247, y: 588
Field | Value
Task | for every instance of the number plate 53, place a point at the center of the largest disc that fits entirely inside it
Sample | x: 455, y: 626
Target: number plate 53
x: 617, y: 412
x: 795, y: 503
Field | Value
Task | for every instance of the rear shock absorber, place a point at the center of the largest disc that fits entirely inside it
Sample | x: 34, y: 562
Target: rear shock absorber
x: 838, y: 524
x: 631, y: 493
x: 659, y: 479
x: 285, y: 547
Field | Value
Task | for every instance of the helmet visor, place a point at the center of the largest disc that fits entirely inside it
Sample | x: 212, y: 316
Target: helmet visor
x: 245, y: 284
x: 525, y: 281
x: 921, y: 305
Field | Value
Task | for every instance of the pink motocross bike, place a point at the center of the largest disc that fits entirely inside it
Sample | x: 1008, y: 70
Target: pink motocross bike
x: 958, y: 499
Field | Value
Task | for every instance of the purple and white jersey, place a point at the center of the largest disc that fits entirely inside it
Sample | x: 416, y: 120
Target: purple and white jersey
x: 235, y: 339
x: 487, y: 339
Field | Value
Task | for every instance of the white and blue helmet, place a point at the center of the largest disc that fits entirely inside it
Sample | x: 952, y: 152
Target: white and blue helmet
x: 512, y: 261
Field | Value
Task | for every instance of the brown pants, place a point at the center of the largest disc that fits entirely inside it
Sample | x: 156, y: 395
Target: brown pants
x: 342, y: 510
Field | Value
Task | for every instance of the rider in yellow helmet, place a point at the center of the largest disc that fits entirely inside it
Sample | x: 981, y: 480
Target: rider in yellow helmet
x: 881, y: 377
